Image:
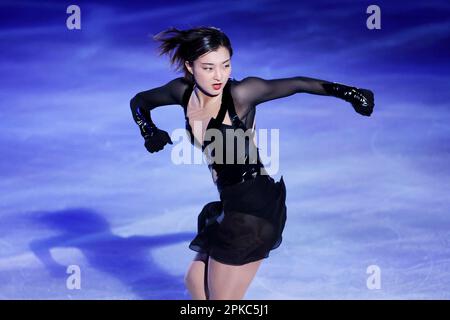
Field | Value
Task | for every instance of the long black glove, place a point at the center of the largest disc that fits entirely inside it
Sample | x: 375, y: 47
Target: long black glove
x: 362, y: 100
x: 155, y: 139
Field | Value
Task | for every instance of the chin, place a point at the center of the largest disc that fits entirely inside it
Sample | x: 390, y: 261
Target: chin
x: 214, y: 92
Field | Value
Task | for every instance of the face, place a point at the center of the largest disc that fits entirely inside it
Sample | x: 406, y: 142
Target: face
x: 211, y: 68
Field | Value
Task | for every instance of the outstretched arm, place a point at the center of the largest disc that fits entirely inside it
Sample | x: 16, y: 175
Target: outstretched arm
x: 259, y: 90
x: 255, y: 90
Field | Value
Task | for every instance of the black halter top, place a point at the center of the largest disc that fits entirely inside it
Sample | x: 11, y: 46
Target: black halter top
x: 246, y: 163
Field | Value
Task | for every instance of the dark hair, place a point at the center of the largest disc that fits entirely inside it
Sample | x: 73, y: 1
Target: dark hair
x: 188, y: 45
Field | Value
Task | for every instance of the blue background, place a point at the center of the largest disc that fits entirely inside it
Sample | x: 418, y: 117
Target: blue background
x: 79, y: 188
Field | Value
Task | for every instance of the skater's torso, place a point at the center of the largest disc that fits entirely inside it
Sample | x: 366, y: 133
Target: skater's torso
x: 220, y: 114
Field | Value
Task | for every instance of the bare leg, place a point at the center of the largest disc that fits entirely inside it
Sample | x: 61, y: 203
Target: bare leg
x: 227, y: 282
x: 195, y: 278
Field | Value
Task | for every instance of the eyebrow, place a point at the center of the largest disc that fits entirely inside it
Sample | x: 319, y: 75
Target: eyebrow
x: 213, y: 63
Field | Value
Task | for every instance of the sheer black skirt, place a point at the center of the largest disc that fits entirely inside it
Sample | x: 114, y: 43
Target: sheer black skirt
x: 246, y: 224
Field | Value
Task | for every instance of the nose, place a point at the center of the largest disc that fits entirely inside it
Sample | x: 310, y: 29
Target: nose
x: 217, y: 75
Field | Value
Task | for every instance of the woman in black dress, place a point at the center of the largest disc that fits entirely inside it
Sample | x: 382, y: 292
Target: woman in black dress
x: 236, y: 233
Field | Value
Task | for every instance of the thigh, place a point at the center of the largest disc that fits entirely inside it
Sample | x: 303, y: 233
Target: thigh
x: 197, y: 269
x: 228, y: 281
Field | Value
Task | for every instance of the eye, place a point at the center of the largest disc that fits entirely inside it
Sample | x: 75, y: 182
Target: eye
x: 207, y: 68
x: 227, y: 66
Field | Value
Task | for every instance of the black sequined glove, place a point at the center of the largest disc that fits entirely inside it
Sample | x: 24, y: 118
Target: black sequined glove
x: 156, y: 139
x: 362, y: 100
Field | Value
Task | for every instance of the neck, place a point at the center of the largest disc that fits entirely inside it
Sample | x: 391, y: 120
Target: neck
x: 205, y: 98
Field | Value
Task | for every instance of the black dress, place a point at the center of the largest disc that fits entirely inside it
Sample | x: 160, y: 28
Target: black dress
x: 248, y: 220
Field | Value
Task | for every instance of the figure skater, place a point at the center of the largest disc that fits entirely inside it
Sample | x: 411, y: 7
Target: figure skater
x: 236, y: 233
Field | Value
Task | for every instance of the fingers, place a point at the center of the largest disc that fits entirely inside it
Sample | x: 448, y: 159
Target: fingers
x: 366, y: 112
x: 151, y: 148
x: 158, y: 141
x: 368, y: 94
x: 365, y: 109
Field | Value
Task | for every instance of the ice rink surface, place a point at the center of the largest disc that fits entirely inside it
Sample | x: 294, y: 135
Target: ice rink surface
x: 79, y: 189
